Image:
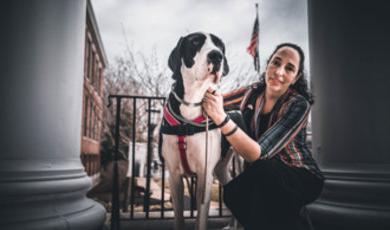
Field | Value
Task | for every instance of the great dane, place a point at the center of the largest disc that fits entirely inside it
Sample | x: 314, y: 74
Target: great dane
x: 198, y: 62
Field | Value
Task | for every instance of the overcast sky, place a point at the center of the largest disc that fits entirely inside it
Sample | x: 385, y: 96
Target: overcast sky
x: 158, y: 24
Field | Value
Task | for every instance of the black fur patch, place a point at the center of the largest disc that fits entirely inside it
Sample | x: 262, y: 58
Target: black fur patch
x: 221, y: 45
x: 186, y: 49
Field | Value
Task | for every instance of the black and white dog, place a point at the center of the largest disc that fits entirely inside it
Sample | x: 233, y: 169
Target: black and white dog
x: 198, y: 62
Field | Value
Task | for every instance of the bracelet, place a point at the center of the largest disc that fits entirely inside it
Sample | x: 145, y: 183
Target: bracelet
x: 231, y: 132
x: 227, y: 119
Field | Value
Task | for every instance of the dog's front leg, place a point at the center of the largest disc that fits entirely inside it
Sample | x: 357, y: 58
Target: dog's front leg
x: 177, y: 193
x: 203, y: 189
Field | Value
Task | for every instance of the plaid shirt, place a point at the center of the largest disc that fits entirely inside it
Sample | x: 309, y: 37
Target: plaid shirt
x: 285, y: 138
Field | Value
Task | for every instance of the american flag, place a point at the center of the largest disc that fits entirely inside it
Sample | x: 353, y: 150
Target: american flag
x: 253, y: 48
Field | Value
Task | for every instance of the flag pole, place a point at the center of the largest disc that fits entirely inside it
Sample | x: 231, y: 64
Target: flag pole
x: 253, y: 48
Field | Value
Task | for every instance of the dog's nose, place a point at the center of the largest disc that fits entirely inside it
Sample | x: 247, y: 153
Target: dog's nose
x: 214, y: 57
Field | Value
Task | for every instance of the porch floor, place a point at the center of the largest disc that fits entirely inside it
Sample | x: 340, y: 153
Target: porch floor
x: 165, y: 224
x: 214, y: 223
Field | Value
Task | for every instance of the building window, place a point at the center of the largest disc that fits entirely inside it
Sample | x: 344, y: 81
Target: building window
x: 96, y: 73
x: 93, y: 69
x: 85, y: 116
x: 90, y: 62
x: 93, y: 123
x: 86, y: 54
x: 95, y: 126
x: 90, y: 118
x: 99, y: 80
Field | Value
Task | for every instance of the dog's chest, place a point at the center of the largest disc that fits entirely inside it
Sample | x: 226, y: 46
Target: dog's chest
x: 194, y: 93
x: 195, y: 151
x: 190, y: 113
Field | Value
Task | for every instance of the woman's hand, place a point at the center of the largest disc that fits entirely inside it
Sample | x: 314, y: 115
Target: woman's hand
x: 244, y: 145
x: 213, y: 106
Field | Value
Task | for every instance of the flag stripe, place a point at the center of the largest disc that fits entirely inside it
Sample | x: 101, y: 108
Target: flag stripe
x: 253, y: 47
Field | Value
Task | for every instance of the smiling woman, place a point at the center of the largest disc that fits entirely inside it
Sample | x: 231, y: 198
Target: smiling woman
x: 282, y: 176
x: 280, y: 74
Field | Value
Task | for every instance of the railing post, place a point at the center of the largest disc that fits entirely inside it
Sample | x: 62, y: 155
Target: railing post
x: 162, y: 173
x: 220, y: 199
x: 162, y: 190
x: 132, y: 196
x: 192, y: 196
x: 148, y: 164
x: 115, y: 182
x: 162, y: 208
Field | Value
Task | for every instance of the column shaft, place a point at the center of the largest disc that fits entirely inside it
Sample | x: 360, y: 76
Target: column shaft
x: 43, y: 184
x: 349, y: 56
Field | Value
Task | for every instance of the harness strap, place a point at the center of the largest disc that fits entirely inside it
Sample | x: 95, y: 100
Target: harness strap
x: 183, y: 156
x: 174, y: 122
x: 173, y: 126
x: 170, y: 118
x: 182, y: 144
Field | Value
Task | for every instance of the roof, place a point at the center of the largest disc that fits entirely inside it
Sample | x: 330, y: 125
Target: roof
x: 96, y: 33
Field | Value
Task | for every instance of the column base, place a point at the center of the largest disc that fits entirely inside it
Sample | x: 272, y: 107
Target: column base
x: 353, y: 199
x: 44, y: 195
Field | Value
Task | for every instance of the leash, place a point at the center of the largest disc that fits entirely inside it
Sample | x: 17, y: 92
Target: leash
x: 203, y: 204
x: 168, y: 111
x: 206, y: 159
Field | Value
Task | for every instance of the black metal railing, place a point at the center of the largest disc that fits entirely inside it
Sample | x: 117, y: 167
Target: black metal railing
x: 157, y: 107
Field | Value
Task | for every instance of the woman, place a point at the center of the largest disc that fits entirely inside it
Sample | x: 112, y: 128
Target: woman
x: 282, y: 176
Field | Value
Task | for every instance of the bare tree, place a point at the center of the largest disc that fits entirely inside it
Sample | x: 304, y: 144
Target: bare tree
x: 131, y: 74
x: 240, y: 75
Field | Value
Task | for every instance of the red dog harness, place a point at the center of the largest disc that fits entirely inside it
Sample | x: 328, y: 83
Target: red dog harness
x: 181, y: 129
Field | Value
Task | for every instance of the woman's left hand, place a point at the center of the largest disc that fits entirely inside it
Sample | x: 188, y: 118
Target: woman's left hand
x: 213, y: 106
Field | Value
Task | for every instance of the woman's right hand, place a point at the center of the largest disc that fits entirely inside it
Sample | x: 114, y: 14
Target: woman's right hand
x: 212, y: 105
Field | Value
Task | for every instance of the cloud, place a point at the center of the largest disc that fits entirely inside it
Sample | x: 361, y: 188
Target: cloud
x: 156, y: 24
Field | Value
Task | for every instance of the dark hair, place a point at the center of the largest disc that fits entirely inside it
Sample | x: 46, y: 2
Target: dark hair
x: 300, y: 85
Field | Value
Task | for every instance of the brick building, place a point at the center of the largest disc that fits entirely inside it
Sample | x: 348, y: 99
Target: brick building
x: 94, y: 63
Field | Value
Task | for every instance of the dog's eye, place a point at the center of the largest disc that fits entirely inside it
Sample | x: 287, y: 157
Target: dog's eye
x: 195, y: 42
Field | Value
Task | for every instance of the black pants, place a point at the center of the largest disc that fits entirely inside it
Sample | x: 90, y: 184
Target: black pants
x: 269, y: 194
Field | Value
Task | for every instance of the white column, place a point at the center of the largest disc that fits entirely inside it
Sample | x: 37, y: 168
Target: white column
x: 42, y: 180
x: 350, y: 71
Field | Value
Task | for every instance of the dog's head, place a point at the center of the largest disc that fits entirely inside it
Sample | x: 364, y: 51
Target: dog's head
x: 199, y: 55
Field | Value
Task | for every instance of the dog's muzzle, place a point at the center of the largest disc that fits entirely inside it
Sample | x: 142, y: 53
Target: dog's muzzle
x: 215, y: 57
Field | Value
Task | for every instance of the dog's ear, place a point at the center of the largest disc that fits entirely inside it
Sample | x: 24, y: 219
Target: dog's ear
x: 225, y: 70
x: 174, y: 61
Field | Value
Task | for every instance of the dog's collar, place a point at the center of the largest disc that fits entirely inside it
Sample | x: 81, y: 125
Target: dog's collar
x: 178, y: 125
x: 182, y: 101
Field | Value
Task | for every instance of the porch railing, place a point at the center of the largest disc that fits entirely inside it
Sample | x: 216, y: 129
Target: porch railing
x: 161, y: 214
